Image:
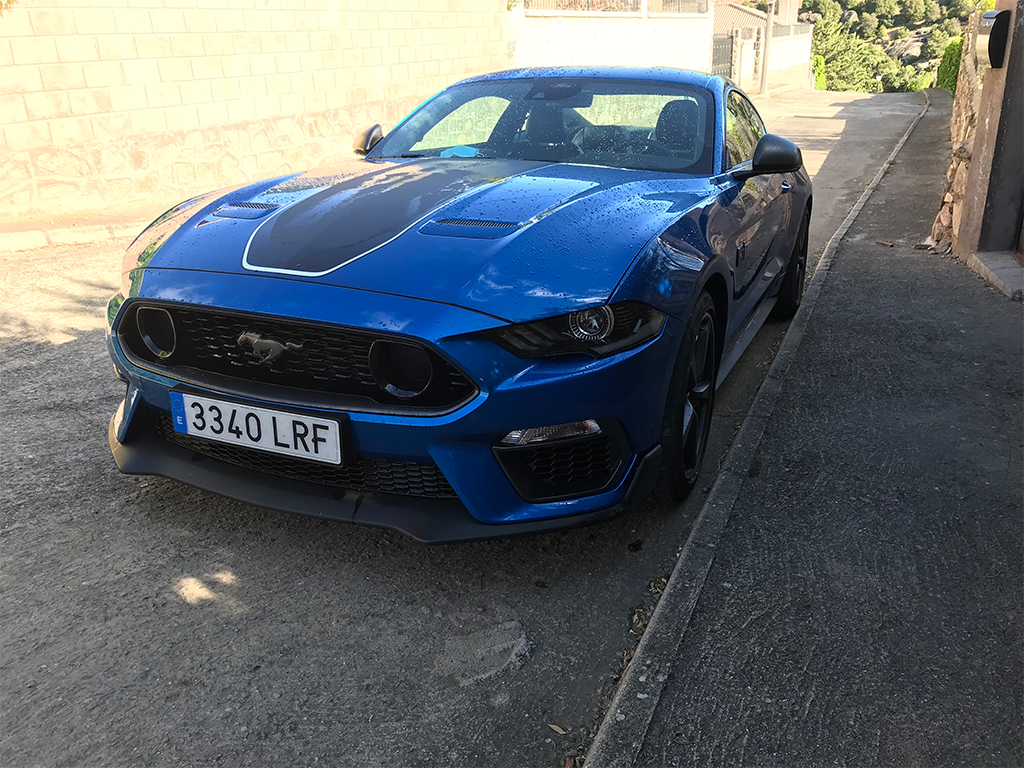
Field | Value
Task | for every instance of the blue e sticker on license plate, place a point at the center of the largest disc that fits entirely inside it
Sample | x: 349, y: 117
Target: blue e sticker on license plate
x: 262, y: 429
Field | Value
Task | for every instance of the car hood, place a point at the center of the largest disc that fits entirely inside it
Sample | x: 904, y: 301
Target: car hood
x: 516, y: 240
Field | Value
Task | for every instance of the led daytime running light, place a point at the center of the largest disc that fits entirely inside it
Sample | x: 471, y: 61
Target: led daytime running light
x: 558, y: 432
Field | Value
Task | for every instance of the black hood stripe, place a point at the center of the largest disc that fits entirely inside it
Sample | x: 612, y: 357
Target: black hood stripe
x: 330, y: 228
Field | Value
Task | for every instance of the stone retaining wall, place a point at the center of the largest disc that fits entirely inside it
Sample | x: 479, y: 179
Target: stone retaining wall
x: 107, y: 102
x: 962, y: 126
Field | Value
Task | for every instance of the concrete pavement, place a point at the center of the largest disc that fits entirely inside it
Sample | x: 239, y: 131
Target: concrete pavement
x: 864, y: 602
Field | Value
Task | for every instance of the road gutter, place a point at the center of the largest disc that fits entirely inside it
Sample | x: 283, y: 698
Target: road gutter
x: 622, y: 732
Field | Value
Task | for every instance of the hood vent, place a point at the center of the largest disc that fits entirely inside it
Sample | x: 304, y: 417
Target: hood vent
x: 245, y: 210
x: 475, y: 223
x: 474, y: 229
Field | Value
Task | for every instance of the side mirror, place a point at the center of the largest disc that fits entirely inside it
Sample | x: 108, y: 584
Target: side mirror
x: 773, y: 154
x: 368, y: 139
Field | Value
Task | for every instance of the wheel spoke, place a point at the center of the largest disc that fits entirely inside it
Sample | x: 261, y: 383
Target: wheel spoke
x: 700, y: 353
x: 688, y: 419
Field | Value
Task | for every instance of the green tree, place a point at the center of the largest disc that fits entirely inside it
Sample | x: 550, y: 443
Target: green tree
x: 935, y: 45
x: 847, y: 60
x: 949, y: 67
x: 886, y: 11
x: 932, y: 11
x: 868, y: 26
x: 956, y: 9
x: 913, y: 11
x: 951, y: 27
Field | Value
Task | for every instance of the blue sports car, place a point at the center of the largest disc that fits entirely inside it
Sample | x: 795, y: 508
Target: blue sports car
x: 509, y: 315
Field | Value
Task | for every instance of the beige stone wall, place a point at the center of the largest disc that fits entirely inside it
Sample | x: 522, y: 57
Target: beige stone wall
x: 962, y: 128
x: 106, y: 102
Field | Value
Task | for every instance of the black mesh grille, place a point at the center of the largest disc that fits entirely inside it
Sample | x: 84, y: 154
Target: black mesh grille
x: 332, y: 359
x: 590, y: 461
x: 370, y: 475
x: 566, y: 468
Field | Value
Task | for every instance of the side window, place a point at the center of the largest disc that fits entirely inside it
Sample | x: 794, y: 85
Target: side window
x: 471, y: 123
x: 743, y: 129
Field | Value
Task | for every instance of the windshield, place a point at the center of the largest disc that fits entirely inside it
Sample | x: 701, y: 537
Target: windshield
x: 616, y: 123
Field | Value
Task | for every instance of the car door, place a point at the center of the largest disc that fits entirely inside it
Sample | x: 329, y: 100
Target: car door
x: 750, y: 216
x: 776, y: 206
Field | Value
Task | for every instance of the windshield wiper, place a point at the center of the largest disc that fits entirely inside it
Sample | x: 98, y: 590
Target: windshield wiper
x: 394, y: 157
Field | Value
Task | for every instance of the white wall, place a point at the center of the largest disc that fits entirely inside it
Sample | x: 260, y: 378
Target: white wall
x: 789, y: 51
x: 677, y: 41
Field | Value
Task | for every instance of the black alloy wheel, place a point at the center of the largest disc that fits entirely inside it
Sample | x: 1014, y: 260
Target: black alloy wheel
x: 792, y: 290
x: 687, y: 420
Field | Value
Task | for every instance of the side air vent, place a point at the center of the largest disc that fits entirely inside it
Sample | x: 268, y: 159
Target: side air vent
x: 475, y: 223
x: 244, y: 210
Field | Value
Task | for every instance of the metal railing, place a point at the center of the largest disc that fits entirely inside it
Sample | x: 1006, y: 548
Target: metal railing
x: 583, y: 6
x: 631, y: 7
x: 792, y: 30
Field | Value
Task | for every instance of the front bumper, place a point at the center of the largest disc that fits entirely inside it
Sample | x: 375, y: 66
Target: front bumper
x: 628, y: 389
x: 432, y: 521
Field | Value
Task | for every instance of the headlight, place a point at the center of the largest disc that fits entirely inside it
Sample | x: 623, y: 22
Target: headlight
x: 597, y: 331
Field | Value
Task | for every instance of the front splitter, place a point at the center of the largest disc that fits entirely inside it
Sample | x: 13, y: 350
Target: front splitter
x: 431, y: 521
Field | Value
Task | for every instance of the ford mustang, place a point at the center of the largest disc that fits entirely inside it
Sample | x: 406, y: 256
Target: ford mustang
x: 509, y: 314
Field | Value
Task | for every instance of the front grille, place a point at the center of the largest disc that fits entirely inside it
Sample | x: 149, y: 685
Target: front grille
x: 566, y: 468
x: 370, y: 475
x: 333, y: 360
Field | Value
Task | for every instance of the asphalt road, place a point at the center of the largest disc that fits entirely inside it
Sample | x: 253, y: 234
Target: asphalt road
x: 143, y: 622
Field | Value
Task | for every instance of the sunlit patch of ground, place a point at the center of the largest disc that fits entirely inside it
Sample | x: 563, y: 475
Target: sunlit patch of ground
x: 59, y: 303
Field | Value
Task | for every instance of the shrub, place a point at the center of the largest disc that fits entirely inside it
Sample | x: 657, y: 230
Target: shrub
x: 818, y: 65
x: 949, y: 67
x: 922, y: 81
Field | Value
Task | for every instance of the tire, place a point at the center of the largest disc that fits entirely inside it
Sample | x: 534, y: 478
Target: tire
x: 686, y: 423
x: 792, y: 290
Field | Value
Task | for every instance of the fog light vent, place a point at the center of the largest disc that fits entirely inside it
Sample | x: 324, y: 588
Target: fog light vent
x: 157, y: 330
x: 558, y: 432
x: 403, y: 370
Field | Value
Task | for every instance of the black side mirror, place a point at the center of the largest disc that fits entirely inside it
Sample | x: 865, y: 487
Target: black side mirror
x: 368, y: 139
x: 773, y: 154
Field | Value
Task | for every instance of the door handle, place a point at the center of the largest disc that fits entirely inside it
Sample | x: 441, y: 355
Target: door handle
x: 785, y: 186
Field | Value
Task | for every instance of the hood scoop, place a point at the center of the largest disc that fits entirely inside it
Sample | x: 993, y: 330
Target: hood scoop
x: 473, y: 228
x: 245, y: 210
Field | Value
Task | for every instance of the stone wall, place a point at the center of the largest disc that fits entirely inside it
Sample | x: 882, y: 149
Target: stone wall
x: 962, y: 128
x: 108, y: 102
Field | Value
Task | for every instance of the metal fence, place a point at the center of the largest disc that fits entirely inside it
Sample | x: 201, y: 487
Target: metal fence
x: 584, y: 6
x: 677, y: 6
x: 792, y: 30
x: 653, y: 7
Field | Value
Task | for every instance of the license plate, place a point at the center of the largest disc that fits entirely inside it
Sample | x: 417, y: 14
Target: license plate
x: 262, y: 429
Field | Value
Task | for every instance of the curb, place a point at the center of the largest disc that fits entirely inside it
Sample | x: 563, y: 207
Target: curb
x: 624, y: 728
x: 32, y: 239
x: 1000, y: 269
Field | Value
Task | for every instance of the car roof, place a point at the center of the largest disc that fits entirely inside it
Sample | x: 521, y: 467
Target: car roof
x: 654, y: 74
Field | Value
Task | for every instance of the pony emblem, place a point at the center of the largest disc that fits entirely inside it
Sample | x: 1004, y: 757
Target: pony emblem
x: 266, y: 350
